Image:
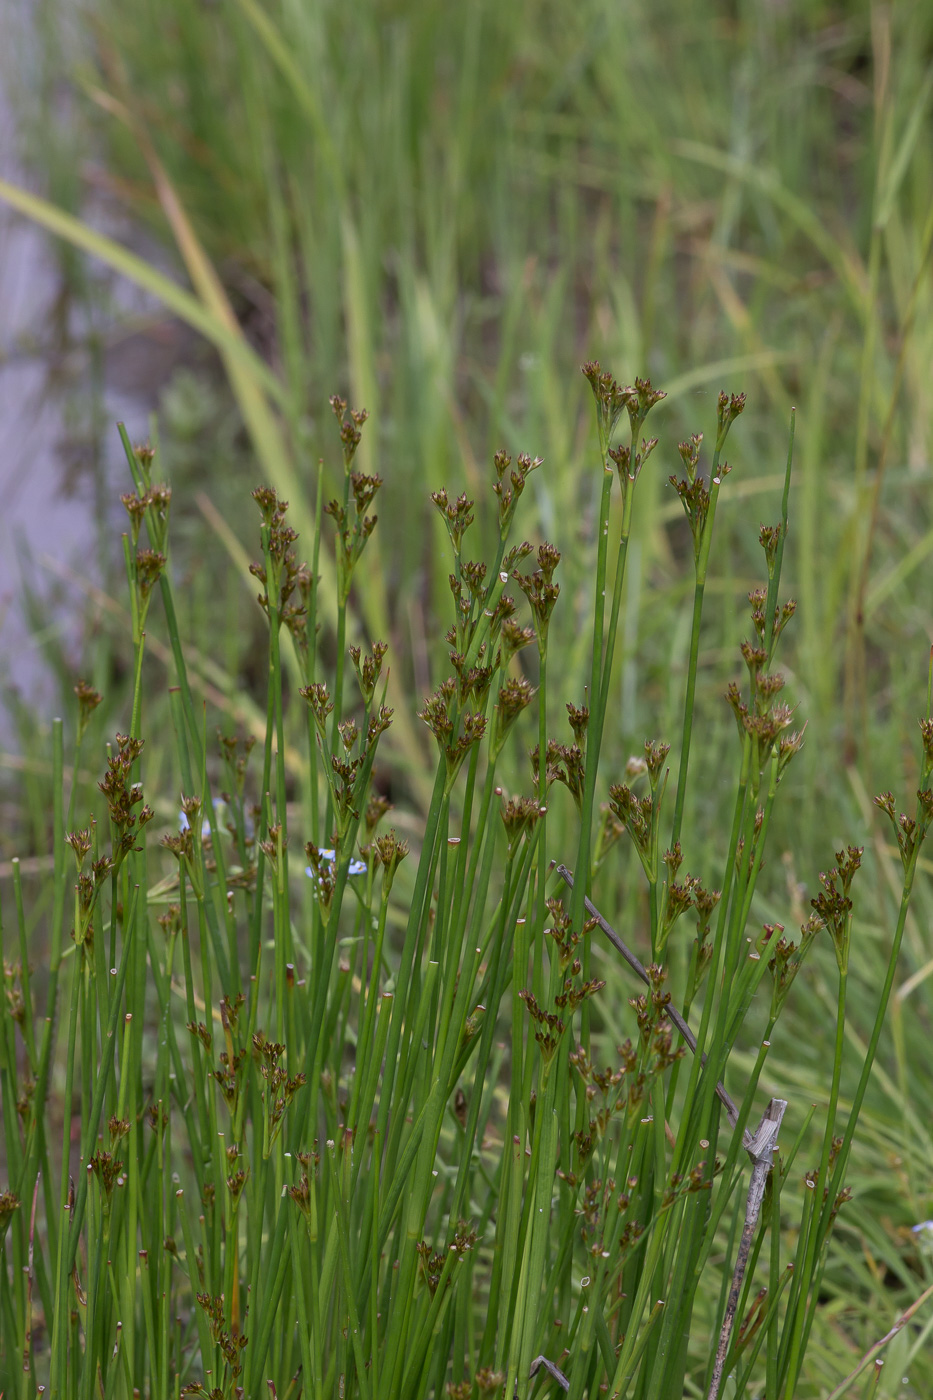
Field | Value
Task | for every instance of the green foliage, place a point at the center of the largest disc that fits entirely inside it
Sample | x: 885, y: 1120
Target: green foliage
x: 358, y: 1142
x: 445, y: 209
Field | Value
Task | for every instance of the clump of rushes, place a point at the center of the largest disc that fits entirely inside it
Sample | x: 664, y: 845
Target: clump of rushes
x: 356, y: 1127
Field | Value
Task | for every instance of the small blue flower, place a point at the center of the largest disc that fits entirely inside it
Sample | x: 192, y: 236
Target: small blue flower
x: 357, y: 867
x: 221, y: 816
x: 183, y: 823
x: 924, y: 1228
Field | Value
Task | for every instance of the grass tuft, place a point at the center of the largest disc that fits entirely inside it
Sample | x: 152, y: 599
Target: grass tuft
x: 396, y: 1121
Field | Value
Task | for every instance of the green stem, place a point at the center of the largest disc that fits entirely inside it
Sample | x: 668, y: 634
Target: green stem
x: 775, y: 579
x: 689, y: 704
x: 593, y: 735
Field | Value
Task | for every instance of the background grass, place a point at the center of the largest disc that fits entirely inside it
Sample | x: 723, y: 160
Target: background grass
x: 440, y: 211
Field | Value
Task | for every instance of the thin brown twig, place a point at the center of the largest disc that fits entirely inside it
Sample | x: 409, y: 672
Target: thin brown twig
x: 873, y: 1351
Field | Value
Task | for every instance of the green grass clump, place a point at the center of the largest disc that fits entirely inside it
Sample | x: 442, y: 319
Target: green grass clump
x: 444, y: 210
x: 388, y: 1117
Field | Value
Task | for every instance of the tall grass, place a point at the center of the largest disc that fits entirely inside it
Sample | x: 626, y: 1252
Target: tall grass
x: 344, y: 1129
x: 446, y: 211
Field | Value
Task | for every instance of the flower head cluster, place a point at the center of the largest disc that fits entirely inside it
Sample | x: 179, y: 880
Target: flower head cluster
x: 323, y: 871
x: 612, y: 399
x: 519, y: 817
x: 639, y: 815
x: 282, y: 1087
x: 388, y: 852
x: 455, y: 730
x: 541, y: 591
x: 281, y: 575
x: 354, y: 526
x: 910, y: 831
x: 573, y: 989
x: 348, y: 770
x: 509, y: 490
x: 681, y: 895
x: 565, y: 763
x: 351, y: 426
x: 457, y: 516
x: 122, y: 796
x: 787, y: 958
x: 763, y: 718
x: 231, y: 1343
x: 514, y: 696
x: 833, y: 905
x: 694, y: 492
x: 368, y: 668
x: 153, y: 507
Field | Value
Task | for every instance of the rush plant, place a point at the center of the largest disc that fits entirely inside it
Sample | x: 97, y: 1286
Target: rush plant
x: 412, y: 1117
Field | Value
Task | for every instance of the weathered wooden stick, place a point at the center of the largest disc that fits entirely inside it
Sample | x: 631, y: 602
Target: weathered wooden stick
x: 761, y: 1152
